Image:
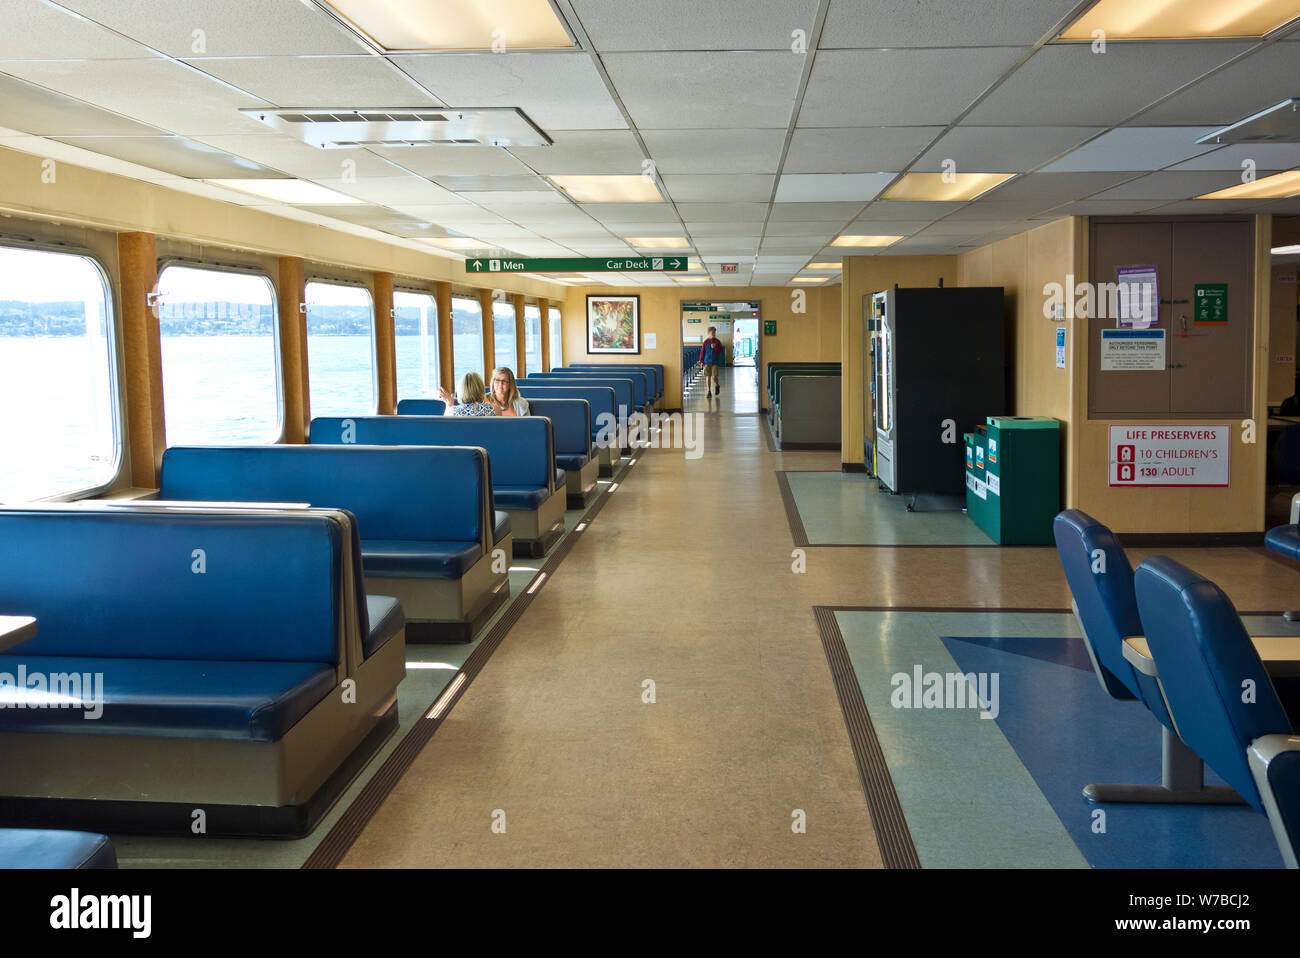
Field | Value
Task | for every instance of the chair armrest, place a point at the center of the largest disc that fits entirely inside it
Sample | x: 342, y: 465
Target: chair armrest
x: 1275, y: 761
x: 1295, y: 509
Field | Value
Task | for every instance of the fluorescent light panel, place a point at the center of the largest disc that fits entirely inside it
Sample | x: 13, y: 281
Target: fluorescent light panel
x: 1285, y: 250
x: 630, y: 188
x: 399, y: 25
x: 944, y: 187
x: 823, y: 266
x: 657, y: 242
x: 1277, y: 186
x: 865, y: 241
x: 293, y: 192
x: 809, y: 279
x: 1183, y: 19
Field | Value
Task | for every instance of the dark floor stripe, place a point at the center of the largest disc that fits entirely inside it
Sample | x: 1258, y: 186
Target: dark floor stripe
x: 797, y: 532
x: 892, y: 834
x: 766, y: 429
x: 335, y: 845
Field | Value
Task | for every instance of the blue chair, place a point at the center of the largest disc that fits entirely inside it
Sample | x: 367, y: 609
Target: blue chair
x: 42, y: 848
x: 1206, y: 660
x: 1101, y: 582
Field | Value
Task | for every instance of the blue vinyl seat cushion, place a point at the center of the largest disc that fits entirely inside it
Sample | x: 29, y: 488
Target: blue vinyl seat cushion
x: 1284, y: 540
x: 500, y: 525
x: 386, y: 620
x: 573, y: 462
x: 177, y: 698
x: 414, y: 559
x: 519, y: 497
x: 560, y: 478
x: 46, y: 848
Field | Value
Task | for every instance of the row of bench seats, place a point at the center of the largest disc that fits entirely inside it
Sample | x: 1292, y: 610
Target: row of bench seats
x: 804, y: 403
x: 1202, y: 657
x: 208, y: 668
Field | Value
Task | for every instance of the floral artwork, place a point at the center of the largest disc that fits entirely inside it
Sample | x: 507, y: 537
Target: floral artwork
x: 613, y: 324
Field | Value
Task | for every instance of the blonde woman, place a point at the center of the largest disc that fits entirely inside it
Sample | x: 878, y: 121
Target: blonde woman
x: 505, y: 396
x: 470, y: 398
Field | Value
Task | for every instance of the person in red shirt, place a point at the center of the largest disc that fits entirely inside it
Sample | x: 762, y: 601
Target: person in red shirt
x: 712, y: 354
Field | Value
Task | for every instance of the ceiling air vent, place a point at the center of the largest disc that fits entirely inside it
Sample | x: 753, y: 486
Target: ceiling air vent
x: 339, y: 129
x: 1277, y: 124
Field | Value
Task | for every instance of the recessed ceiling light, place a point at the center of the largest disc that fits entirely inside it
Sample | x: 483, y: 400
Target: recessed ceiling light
x: 1182, y: 19
x: 823, y: 266
x: 809, y: 279
x: 657, y: 242
x: 456, y: 24
x: 1285, y: 250
x: 630, y: 188
x: 692, y: 279
x: 1277, y: 186
x: 944, y: 187
x: 294, y: 192
x: 869, y: 241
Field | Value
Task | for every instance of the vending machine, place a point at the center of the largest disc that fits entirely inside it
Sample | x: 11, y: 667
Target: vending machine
x: 939, y: 368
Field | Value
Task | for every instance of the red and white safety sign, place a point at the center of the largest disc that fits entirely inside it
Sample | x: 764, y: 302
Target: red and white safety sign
x: 1171, y: 455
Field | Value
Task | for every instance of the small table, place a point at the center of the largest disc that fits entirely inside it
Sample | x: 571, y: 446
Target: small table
x: 1279, y: 653
x: 15, y: 629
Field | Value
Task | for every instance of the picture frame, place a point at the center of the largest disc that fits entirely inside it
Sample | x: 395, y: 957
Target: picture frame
x: 613, y: 324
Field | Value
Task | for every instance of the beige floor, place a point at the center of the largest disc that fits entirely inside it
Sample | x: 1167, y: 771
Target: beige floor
x: 685, y: 579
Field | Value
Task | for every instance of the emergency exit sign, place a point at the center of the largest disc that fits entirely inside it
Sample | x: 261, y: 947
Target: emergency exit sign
x: 730, y: 267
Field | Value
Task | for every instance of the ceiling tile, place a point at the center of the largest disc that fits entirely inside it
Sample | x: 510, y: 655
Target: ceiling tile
x: 453, y: 160
x: 45, y: 113
x: 355, y: 82
x: 578, y: 152
x: 846, y: 150
x: 458, y: 183
x: 1265, y: 156
x: 721, y: 91
x: 39, y: 31
x: 1264, y: 78
x: 1135, y: 148
x: 390, y: 190
x: 887, y: 23
x: 708, y: 188
x: 231, y: 28
x: 194, y: 106
x: 558, y: 91
x: 1055, y: 187
x: 989, y: 210
x: 512, y: 200
x: 870, y: 227
x: 716, y: 212
x: 1097, y: 208
x: 690, y: 25
x: 1172, y: 186
x: 1069, y: 81
x: 298, y: 159
x: 1002, y: 149
x: 834, y: 213
x: 831, y: 187
x: 736, y: 151
x: 847, y: 87
x: 908, y: 210
x: 656, y: 214
x: 1202, y: 207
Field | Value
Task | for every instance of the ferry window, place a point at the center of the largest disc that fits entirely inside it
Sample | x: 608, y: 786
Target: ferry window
x: 503, y: 330
x: 466, y: 337
x: 341, y: 349
x: 57, y: 383
x: 415, y: 317
x: 220, y: 357
x: 532, y: 338
x: 557, y: 339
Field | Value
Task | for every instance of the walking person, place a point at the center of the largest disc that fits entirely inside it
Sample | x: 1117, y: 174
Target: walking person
x: 505, y: 396
x: 712, y: 354
x: 470, y: 398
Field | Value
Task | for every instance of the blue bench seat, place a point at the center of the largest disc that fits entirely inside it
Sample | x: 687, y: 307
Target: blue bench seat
x: 46, y: 848
x: 386, y: 619
x: 176, y: 697
x: 410, y: 559
x: 1284, y: 540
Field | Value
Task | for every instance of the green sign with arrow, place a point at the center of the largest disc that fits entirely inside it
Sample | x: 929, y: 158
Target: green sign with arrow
x: 595, y: 264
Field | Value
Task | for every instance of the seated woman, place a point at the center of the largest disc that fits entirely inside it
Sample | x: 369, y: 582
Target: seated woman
x: 470, y: 398
x: 505, y: 396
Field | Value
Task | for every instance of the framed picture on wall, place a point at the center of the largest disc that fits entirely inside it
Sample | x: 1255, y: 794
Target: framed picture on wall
x: 613, y: 324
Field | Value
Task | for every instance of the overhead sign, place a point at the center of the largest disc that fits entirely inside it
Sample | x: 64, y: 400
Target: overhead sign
x: 730, y: 267
x: 1211, y: 304
x: 1144, y: 455
x: 1132, y: 350
x: 596, y: 264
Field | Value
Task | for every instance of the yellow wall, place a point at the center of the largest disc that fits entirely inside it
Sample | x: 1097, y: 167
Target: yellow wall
x: 862, y: 276
x: 1282, y: 333
x: 813, y: 334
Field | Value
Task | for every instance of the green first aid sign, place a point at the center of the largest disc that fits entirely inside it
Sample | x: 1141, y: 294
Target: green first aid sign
x: 1210, y: 304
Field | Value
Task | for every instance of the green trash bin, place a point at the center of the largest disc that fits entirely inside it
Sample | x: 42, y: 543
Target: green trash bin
x: 1020, y: 466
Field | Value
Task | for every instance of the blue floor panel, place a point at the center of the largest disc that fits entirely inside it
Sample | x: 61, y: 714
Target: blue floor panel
x: 1068, y: 732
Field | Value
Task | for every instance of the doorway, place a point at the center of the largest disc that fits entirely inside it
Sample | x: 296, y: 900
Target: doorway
x: 736, y: 327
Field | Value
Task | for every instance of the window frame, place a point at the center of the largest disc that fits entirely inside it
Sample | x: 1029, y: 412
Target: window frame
x: 558, y: 315
x: 116, y: 359
x: 218, y: 266
x: 437, y: 321
x: 543, y: 330
x: 327, y: 280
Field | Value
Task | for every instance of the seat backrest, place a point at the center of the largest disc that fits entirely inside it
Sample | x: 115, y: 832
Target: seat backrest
x: 635, y: 377
x: 421, y: 407
x: 622, y: 388
x: 571, y: 422
x: 166, y: 585
x: 656, y: 372
x: 1219, y: 694
x: 781, y: 375
x: 1284, y: 457
x: 773, y: 368
x: 520, y: 449
x: 1101, y: 581
x: 417, y: 493
x: 600, y: 400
